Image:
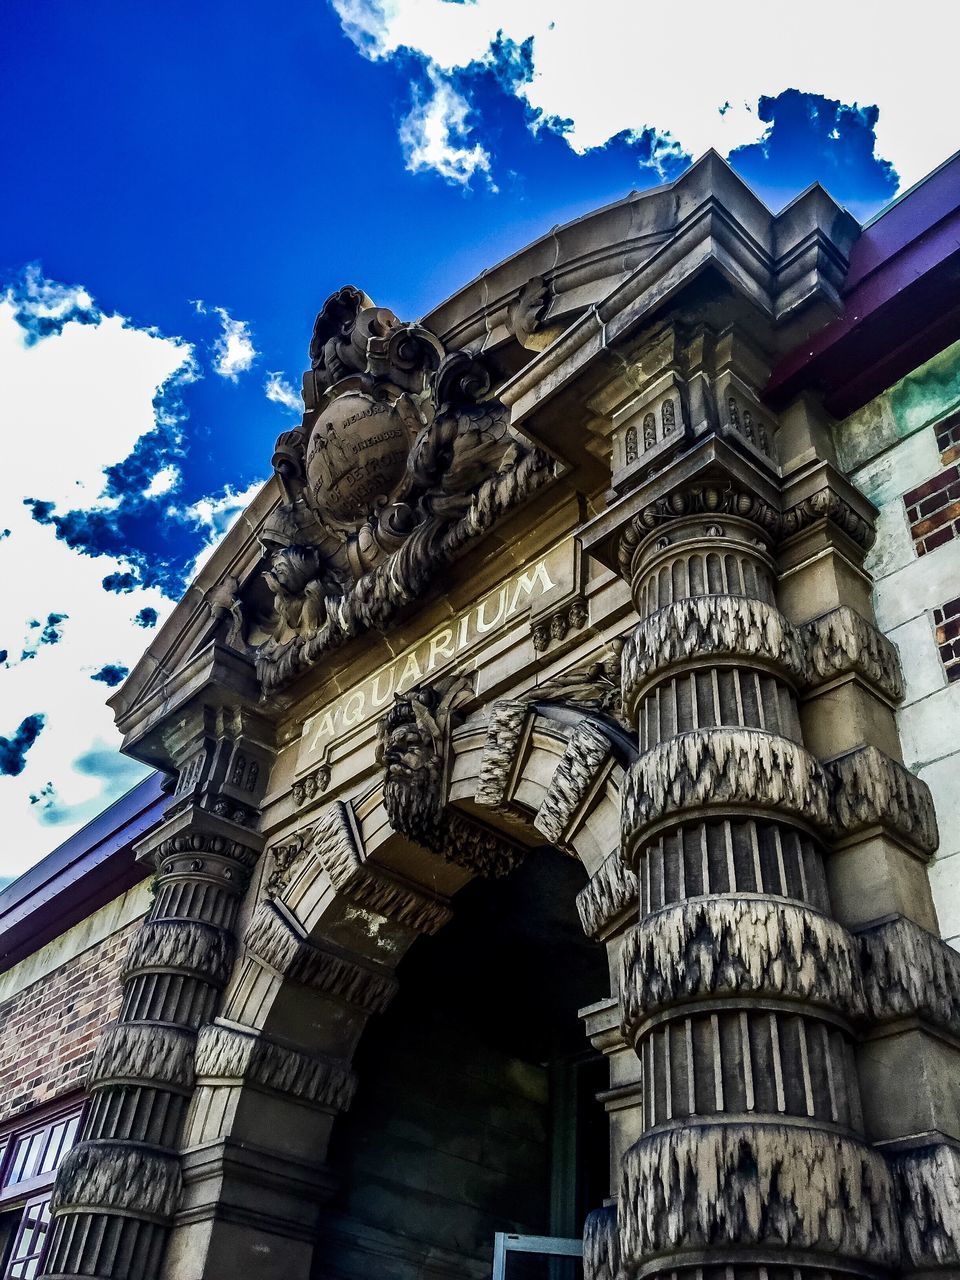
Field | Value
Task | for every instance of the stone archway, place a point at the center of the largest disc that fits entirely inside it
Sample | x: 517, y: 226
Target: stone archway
x: 343, y: 902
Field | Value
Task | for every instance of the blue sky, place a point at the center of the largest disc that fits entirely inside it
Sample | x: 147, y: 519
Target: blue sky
x: 186, y: 183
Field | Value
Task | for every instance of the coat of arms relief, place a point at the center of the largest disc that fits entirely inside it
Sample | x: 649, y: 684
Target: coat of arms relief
x: 402, y: 458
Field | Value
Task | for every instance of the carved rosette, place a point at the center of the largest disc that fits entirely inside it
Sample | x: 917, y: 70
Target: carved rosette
x: 737, y: 989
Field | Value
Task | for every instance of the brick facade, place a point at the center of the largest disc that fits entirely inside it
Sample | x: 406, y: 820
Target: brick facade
x: 48, y: 1031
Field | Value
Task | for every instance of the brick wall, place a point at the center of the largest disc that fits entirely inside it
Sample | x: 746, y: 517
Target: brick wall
x: 48, y: 1031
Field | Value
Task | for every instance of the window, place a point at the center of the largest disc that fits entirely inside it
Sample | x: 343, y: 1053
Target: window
x: 31, y: 1150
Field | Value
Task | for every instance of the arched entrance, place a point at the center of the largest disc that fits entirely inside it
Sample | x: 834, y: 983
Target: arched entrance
x: 343, y: 905
x: 477, y: 1108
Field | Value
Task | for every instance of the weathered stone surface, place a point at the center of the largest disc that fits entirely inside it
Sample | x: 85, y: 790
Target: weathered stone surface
x: 724, y: 946
x: 927, y: 1184
x: 272, y: 939
x: 907, y: 972
x: 504, y: 731
x: 413, y: 744
x: 739, y: 1186
x: 333, y: 842
x: 230, y: 1055
x: 188, y: 947
x: 709, y: 626
x: 606, y: 896
x: 827, y: 504
x: 841, y: 641
x: 116, y: 1178
x: 143, y: 1051
x: 601, y: 1244
x: 722, y: 767
x: 869, y: 789
x: 594, y: 685
x: 583, y: 759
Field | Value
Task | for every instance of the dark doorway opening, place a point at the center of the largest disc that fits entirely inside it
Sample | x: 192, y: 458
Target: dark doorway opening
x: 476, y: 1110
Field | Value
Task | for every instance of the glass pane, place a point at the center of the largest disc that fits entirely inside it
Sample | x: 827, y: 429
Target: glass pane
x: 536, y: 1266
x: 27, y: 1252
x: 26, y: 1156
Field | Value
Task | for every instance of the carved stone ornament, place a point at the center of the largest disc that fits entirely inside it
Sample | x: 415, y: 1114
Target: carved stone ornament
x: 401, y: 460
x: 413, y: 742
x: 594, y: 685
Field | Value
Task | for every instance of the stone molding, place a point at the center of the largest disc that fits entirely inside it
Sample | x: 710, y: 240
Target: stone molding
x: 190, y: 948
x: 841, y: 642
x: 709, y: 627
x: 742, y: 1186
x: 723, y: 768
x: 334, y: 842
x: 869, y: 789
x: 927, y: 1184
x: 144, y: 1053
x: 749, y: 947
x: 583, y: 761
x: 606, y: 896
x: 230, y: 1056
x: 272, y: 939
x: 118, y: 1178
x: 908, y: 972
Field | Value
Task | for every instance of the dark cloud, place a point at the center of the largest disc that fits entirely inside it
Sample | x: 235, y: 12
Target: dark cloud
x: 147, y: 617
x: 3, y: 655
x: 810, y: 138
x: 45, y: 796
x: 47, y: 633
x: 111, y: 674
x: 13, y: 751
x: 43, y: 307
x: 120, y: 582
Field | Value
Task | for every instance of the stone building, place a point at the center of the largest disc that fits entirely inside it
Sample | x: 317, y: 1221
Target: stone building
x: 544, y: 833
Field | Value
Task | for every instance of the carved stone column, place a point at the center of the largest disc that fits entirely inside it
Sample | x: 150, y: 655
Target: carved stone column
x: 119, y: 1187
x: 738, y: 989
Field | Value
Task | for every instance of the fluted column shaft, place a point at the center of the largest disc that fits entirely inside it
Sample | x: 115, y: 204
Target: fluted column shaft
x: 738, y: 989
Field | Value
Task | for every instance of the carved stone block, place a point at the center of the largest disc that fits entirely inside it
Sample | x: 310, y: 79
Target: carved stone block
x: 767, y: 1186
x: 723, y: 768
x: 927, y: 1184
x: 117, y: 1178
x: 187, y: 947
x: 841, y: 641
x: 601, y: 1244
x: 229, y: 1055
x: 868, y: 789
x: 504, y: 733
x: 607, y: 896
x: 581, y: 764
x: 726, y: 946
x: 141, y: 1053
x: 709, y: 626
x: 272, y: 938
x: 909, y: 972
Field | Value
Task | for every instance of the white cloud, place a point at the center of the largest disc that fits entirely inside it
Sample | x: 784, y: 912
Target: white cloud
x: 216, y: 514
x: 605, y: 67
x: 233, y: 351
x: 73, y: 402
x: 433, y: 134
x: 163, y: 481
x: 279, y: 390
